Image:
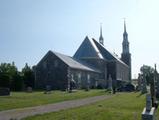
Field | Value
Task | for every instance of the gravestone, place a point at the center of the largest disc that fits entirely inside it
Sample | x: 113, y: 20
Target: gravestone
x: 4, y: 91
x: 157, y: 84
x: 149, y: 111
x: 114, y: 84
x: 72, y: 83
x: 139, y: 82
x: 152, y: 89
x: 68, y: 79
x: 110, y: 83
x: 29, y: 89
x: 88, y: 82
x: 48, y: 89
x: 143, y: 87
x: 79, y: 81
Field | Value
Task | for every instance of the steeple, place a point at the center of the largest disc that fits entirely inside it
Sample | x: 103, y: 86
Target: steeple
x: 125, y: 40
x: 126, y: 56
x: 124, y: 27
x: 101, y: 39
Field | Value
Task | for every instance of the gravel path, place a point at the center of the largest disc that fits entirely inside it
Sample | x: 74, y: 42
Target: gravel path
x: 25, y: 112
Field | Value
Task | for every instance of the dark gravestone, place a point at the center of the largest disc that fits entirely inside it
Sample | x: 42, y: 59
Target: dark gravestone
x: 143, y: 87
x: 139, y: 83
x: 110, y: 83
x: 68, y: 79
x: 48, y: 89
x: 29, y: 89
x: 149, y: 111
x: 153, y: 89
x: 114, y: 86
x: 4, y: 91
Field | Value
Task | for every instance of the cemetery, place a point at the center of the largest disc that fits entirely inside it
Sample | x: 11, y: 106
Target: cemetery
x: 126, y: 106
x: 125, y: 103
x: 64, y: 71
x: 36, y: 98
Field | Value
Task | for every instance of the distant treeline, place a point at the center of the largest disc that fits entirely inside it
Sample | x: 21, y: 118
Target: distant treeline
x: 16, y: 80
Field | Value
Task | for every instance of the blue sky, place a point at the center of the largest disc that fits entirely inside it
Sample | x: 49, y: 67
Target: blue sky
x: 29, y: 28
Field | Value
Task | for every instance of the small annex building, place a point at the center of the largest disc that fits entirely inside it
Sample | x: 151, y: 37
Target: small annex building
x: 56, y: 69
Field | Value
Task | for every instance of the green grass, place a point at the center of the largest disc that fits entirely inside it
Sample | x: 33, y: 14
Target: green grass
x: 124, y: 106
x: 23, y: 99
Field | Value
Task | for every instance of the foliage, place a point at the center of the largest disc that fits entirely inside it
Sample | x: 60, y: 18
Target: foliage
x: 7, y: 72
x: 149, y: 73
x: 28, y: 76
x: 4, y: 80
x: 17, y: 83
x: 11, y: 78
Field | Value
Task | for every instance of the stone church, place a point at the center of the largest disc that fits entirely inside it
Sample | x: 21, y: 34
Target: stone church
x: 91, y: 66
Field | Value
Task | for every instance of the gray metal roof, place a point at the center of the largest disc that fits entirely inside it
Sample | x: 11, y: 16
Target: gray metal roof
x: 107, y: 54
x: 90, y: 48
x: 87, y: 49
x: 73, y: 63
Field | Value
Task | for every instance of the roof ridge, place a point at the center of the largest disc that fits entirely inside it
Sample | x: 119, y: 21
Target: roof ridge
x: 113, y: 55
x: 74, y: 63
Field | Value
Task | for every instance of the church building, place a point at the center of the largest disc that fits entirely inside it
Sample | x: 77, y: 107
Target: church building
x: 90, y: 66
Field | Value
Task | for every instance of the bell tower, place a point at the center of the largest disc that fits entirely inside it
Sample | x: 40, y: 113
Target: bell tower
x: 126, y: 56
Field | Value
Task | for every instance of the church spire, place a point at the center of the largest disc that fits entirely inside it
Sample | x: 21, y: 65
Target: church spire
x: 126, y: 56
x: 125, y: 34
x: 101, y: 39
x: 124, y: 26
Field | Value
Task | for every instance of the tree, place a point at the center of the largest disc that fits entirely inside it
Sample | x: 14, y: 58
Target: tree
x: 10, y: 77
x: 28, y: 76
x: 4, y: 80
x: 17, y: 82
x: 7, y: 71
x: 149, y: 73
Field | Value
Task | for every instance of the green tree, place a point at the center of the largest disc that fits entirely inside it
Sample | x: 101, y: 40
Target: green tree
x: 10, y: 77
x: 28, y: 76
x: 149, y: 72
x: 17, y: 83
x: 4, y: 80
x: 7, y: 71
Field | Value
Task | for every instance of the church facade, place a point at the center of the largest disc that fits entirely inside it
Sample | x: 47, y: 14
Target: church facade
x: 90, y: 67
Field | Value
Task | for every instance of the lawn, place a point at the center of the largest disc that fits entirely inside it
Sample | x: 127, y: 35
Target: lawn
x: 124, y: 106
x: 23, y: 99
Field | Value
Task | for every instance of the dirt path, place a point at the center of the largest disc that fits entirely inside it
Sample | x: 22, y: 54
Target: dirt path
x: 25, y: 112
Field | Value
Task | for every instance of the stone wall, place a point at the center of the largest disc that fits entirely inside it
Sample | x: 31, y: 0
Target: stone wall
x: 118, y: 71
x: 122, y: 72
x: 51, y: 71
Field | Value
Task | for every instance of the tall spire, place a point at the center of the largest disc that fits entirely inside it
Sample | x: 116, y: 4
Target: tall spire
x: 125, y: 40
x: 101, y: 39
x: 126, y: 56
x: 124, y: 26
